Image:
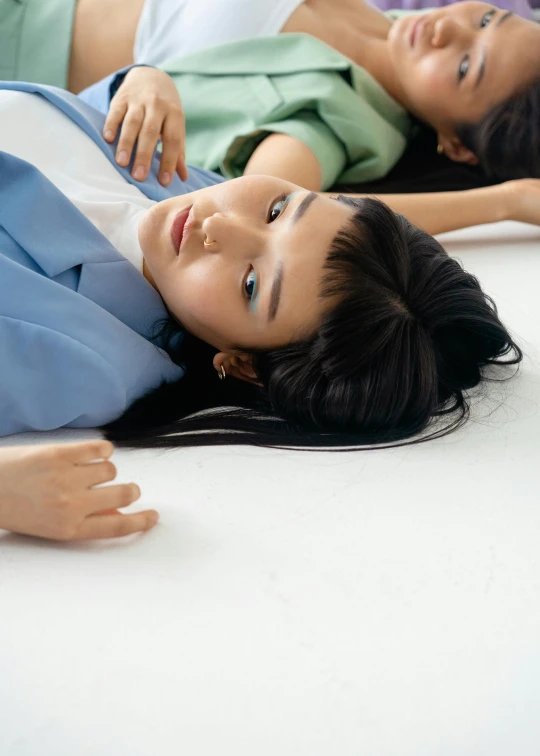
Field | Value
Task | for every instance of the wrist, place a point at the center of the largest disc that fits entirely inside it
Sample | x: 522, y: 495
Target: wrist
x: 504, y: 200
x: 136, y: 68
x: 124, y: 75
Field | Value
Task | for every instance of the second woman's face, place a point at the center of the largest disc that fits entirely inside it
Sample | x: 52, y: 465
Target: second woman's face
x: 455, y: 63
x: 256, y: 282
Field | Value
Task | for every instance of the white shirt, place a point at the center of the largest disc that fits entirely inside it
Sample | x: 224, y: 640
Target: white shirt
x: 74, y: 163
x: 171, y: 28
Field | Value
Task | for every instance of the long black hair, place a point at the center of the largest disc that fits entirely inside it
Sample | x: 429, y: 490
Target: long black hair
x: 409, y: 336
x: 422, y: 169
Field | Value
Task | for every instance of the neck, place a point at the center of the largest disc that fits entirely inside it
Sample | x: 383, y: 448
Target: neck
x: 375, y: 58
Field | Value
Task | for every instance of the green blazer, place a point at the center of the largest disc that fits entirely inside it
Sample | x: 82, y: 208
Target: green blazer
x: 234, y: 95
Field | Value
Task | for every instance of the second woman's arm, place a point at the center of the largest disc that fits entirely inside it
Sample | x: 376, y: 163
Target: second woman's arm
x: 288, y: 158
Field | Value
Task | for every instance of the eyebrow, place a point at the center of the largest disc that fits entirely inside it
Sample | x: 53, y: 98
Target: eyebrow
x: 482, y: 69
x: 504, y: 17
x: 275, y: 293
x: 303, y: 206
x: 278, y: 278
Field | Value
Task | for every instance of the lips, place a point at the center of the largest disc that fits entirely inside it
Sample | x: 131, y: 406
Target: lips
x: 416, y: 31
x: 179, y: 231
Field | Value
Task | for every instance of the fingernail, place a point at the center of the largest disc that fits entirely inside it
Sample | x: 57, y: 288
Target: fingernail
x: 165, y: 178
x: 138, y: 173
x: 135, y: 491
x: 108, y: 135
x: 122, y: 157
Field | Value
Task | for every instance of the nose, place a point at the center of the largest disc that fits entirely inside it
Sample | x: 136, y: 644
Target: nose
x: 229, y: 232
x: 448, y: 30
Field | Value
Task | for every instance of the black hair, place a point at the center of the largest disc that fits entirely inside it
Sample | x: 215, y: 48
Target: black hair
x: 422, y: 169
x: 506, y: 140
x: 411, y: 332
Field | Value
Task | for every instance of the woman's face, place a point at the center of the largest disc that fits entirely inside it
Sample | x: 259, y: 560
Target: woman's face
x: 455, y: 63
x: 257, y: 283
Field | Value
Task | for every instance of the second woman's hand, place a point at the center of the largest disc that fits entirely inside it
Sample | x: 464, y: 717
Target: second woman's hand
x: 147, y: 108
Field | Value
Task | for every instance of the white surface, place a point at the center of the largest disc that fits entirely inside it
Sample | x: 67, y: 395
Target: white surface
x: 369, y: 604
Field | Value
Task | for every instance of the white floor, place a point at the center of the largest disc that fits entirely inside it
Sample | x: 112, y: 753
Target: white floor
x: 370, y: 604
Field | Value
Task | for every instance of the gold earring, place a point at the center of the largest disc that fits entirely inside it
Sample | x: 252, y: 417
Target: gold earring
x: 440, y: 149
x: 208, y: 244
x: 221, y: 373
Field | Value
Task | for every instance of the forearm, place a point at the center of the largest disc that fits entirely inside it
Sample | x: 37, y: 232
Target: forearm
x: 102, y: 39
x: 290, y: 159
x: 287, y: 158
x: 437, y: 212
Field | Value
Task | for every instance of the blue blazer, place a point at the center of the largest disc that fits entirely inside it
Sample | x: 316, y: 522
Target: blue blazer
x: 76, y: 317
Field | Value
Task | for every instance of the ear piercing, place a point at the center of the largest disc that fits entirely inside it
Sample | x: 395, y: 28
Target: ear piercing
x: 221, y: 372
x: 440, y: 149
x: 208, y: 244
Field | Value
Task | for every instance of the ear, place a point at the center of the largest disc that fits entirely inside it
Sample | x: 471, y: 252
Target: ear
x: 238, y: 366
x: 454, y: 149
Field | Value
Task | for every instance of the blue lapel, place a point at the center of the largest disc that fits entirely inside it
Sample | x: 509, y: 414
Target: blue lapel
x: 57, y: 237
x: 75, y: 316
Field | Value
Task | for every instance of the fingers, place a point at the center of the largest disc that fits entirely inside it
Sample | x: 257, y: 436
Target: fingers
x: 181, y: 168
x: 146, y: 144
x: 96, y: 500
x: 95, y: 474
x: 145, y: 127
x: 128, y: 135
x: 116, y: 525
x: 84, y: 452
x: 173, y: 153
x: 114, y: 118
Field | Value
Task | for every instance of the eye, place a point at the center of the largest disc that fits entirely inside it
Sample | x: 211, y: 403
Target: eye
x: 486, y: 18
x: 463, y: 68
x: 250, y: 285
x: 278, y: 207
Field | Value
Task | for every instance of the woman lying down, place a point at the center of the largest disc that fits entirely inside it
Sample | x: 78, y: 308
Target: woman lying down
x: 299, y: 319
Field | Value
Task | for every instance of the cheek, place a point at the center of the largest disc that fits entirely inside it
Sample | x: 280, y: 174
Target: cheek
x: 432, y: 76
x: 194, y: 298
x: 429, y: 87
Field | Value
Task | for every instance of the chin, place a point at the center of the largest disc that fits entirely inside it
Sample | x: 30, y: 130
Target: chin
x: 148, y: 230
x: 395, y: 33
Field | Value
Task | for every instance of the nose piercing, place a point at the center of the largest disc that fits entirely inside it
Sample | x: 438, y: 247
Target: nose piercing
x: 208, y: 244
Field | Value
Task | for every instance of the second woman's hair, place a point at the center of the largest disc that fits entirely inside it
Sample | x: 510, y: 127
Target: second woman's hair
x: 506, y: 140
x: 411, y: 332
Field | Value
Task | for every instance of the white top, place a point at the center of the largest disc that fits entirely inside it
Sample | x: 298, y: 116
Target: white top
x: 172, y: 28
x: 76, y: 165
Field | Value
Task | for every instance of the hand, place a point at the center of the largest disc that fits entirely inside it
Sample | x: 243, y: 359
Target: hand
x: 148, y: 104
x: 48, y: 491
x: 522, y: 199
